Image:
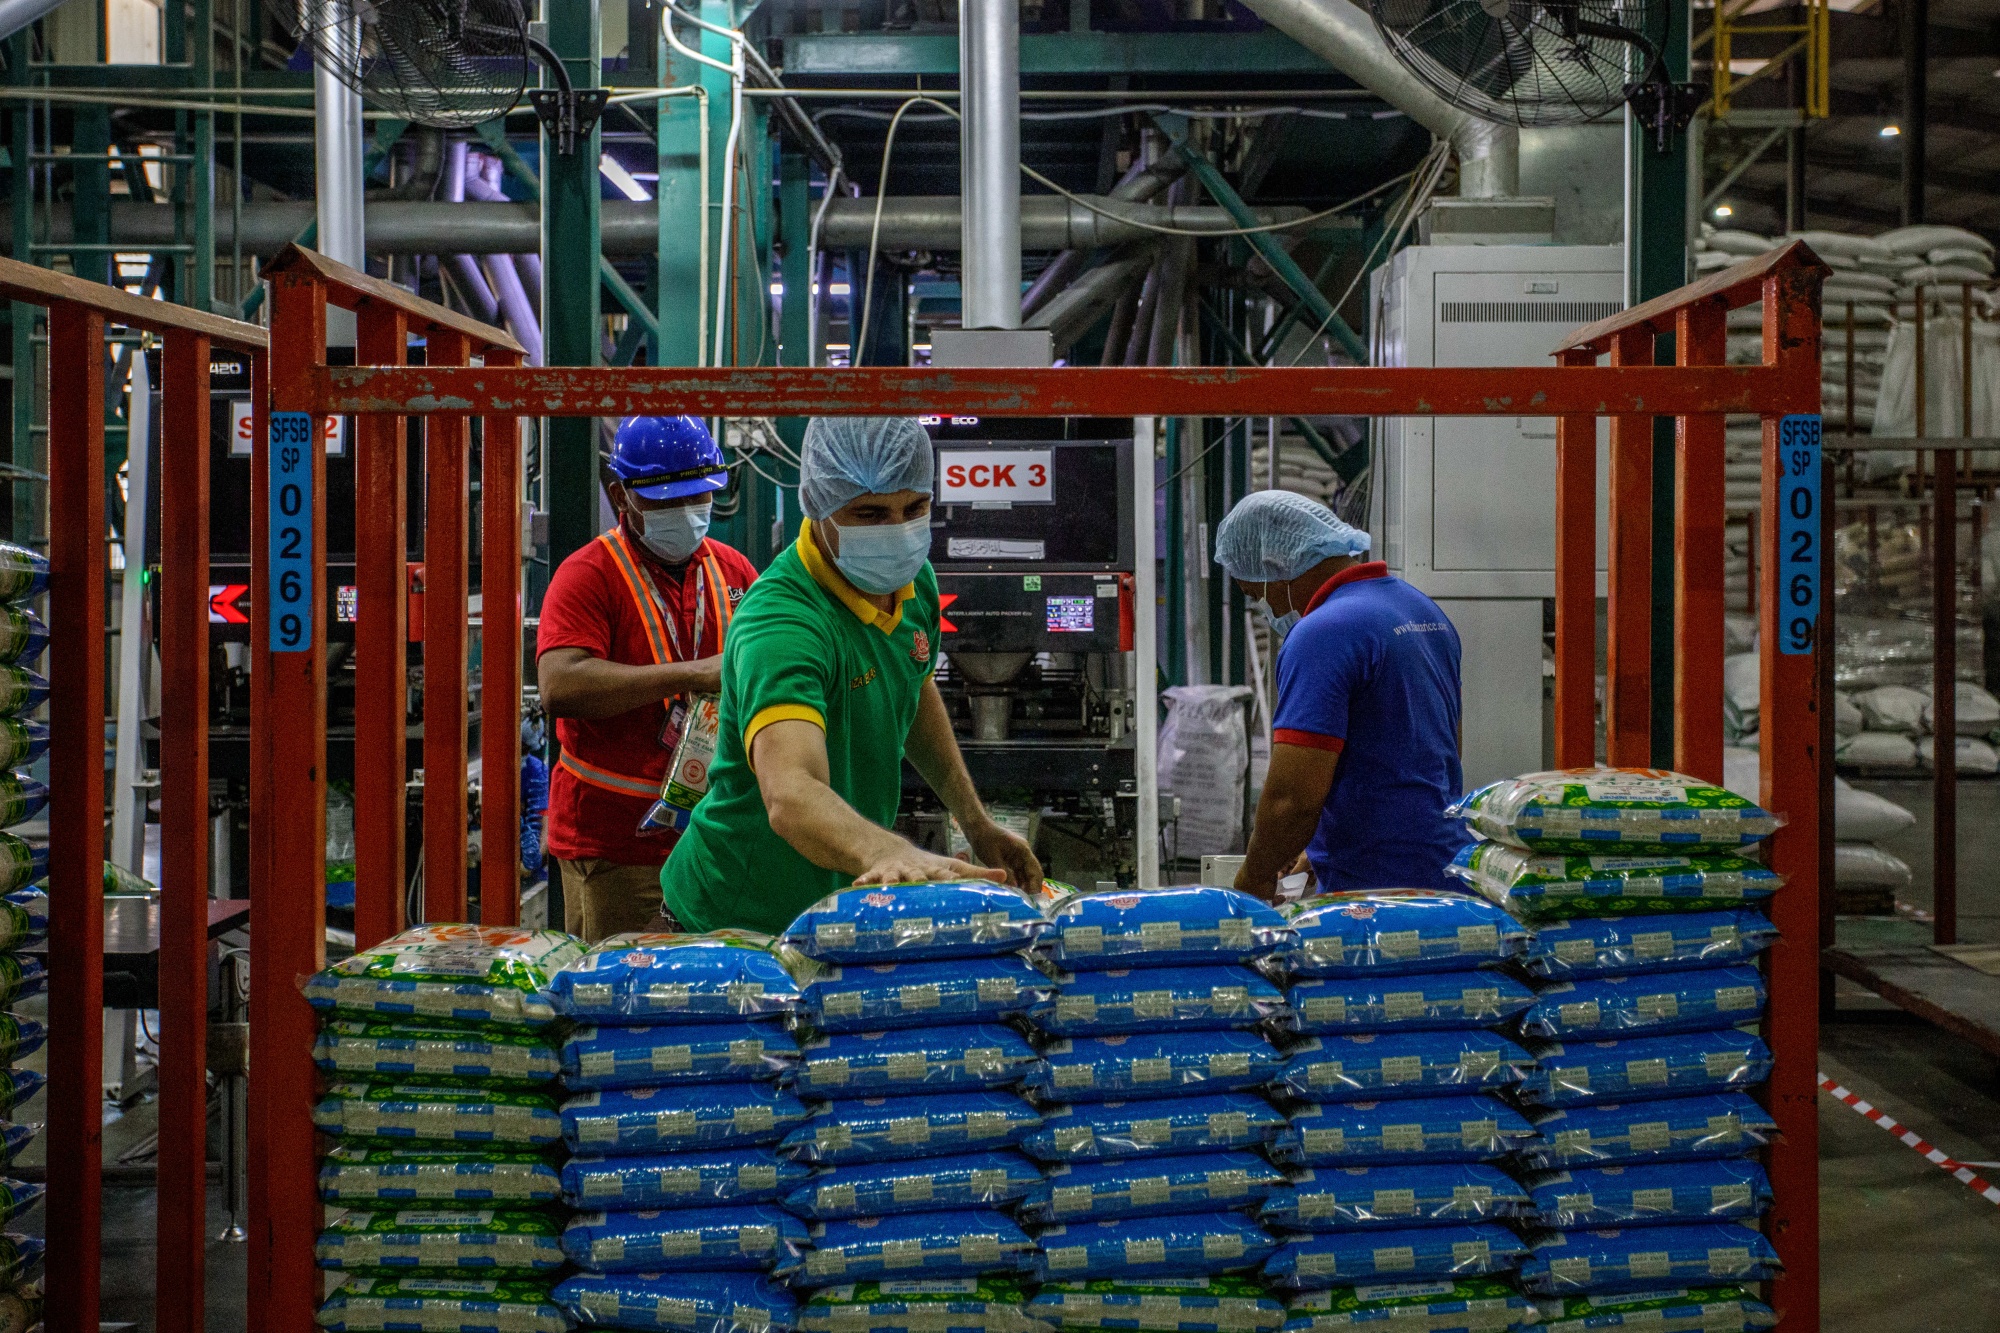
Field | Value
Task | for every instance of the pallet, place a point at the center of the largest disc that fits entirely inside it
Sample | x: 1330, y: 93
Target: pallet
x: 1943, y: 991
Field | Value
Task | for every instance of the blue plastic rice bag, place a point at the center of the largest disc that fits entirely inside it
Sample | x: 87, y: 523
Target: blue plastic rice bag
x: 15, y: 1136
x: 1595, y: 810
x: 1090, y: 1131
x: 18, y: 1196
x: 1334, y: 1199
x: 1196, y: 924
x: 906, y: 1060
x: 22, y: 689
x: 654, y: 1055
x: 1450, y: 1305
x: 1646, y: 1258
x: 1412, y: 1129
x: 17, y: 1086
x: 922, y: 1305
x: 1166, y: 1064
x: 666, y: 978
x: 22, y: 634
x: 1647, y: 1003
x: 514, y: 1243
x: 355, y: 1175
x: 458, y: 973
x: 1343, y: 1258
x: 1725, y: 1124
x: 23, y: 863
x: 1679, y: 1064
x: 360, y: 1048
x: 680, y: 1180
x: 23, y: 573
x: 21, y: 975
x: 1674, y: 1310
x: 1440, y: 1000
x: 955, y: 1244
x: 21, y: 798
x: 738, y: 1238
x: 897, y: 995
x: 450, y: 1304
x: 896, y: 923
x: 877, y: 1129
x: 679, y: 1302
x: 1151, y: 1187
x: 408, y: 1112
x: 18, y: 1253
x: 1385, y: 931
x: 670, y: 1119
x: 1372, y: 1066
x: 923, y: 1185
x: 1538, y: 887
x: 1621, y: 1196
x: 1142, y: 1247
x: 1207, y: 1304
x: 19, y: 1036
x: 22, y: 741
x: 1157, y: 999
x: 1613, y: 946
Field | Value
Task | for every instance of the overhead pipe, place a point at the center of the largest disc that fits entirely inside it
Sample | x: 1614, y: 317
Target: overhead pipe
x: 464, y: 269
x: 1120, y: 331
x: 1139, y: 184
x: 339, y: 181
x: 484, y: 185
x: 989, y: 63
x: 1344, y: 35
x: 1048, y: 222
x: 501, y: 274
x: 18, y: 14
x: 1069, y: 315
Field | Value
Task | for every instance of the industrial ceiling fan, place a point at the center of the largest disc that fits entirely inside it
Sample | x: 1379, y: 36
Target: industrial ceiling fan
x: 446, y: 64
x: 1542, y: 62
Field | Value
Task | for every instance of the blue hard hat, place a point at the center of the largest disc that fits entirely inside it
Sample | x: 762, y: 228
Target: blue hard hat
x: 666, y: 458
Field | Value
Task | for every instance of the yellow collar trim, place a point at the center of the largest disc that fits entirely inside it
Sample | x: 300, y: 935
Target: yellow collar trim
x: 828, y: 577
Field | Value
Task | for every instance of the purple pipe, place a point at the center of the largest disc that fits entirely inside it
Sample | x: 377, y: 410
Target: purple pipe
x: 480, y: 182
x: 465, y: 268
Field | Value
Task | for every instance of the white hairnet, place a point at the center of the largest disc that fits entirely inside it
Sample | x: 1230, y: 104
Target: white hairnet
x: 848, y: 456
x: 1277, y: 535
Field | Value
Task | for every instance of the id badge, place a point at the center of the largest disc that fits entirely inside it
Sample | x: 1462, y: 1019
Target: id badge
x: 675, y: 722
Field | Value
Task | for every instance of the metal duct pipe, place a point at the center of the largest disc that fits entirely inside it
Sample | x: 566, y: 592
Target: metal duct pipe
x: 464, y: 269
x: 1343, y: 35
x: 989, y: 63
x: 1048, y: 222
x: 337, y: 150
x: 1070, y: 313
x: 18, y: 14
x: 1140, y: 183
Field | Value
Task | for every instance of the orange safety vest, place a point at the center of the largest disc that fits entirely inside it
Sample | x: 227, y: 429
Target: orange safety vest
x: 661, y: 637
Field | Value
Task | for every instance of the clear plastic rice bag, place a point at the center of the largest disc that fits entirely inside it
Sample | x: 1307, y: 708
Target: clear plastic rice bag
x: 1338, y: 1199
x: 1602, y: 947
x: 682, y: 1180
x: 1371, y: 1066
x: 1444, y: 1305
x: 1162, y: 1064
x: 920, y: 1185
x: 1144, y: 1247
x: 756, y: 1237
x: 357, y: 1048
x: 1206, y: 1304
x: 1150, y: 1186
x: 879, y: 1129
x: 907, y: 1060
x: 1340, y: 1006
x: 1398, y: 930
x: 447, y: 1304
x: 966, y: 1243
x: 1593, y: 811
x: 879, y: 996
x: 1192, y: 924
x: 1537, y: 886
x: 921, y: 1305
x: 21, y: 864
x: 727, y: 1051
x: 1339, y: 1258
x: 1647, y: 1003
x: 1415, y: 1129
x: 359, y: 1175
x: 1092, y: 1131
x: 895, y: 923
x: 643, y: 977
x: 1730, y: 1190
x: 1679, y: 1129
x: 23, y: 573
x: 1693, y: 1309
x: 390, y: 1113
x: 1646, y: 1258
x: 456, y: 973
x: 678, y: 1117
x: 679, y: 1302
x: 1157, y: 999
x: 502, y: 1242
x: 1574, y: 1073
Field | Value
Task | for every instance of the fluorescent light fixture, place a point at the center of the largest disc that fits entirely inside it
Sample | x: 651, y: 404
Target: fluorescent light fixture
x: 1724, y: 211
x: 777, y: 289
x: 1890, y: 131
x: 622, y: 178
x: 840, y: 289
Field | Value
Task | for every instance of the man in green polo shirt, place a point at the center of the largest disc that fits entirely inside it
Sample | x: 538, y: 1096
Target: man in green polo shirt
x: 826, y: 686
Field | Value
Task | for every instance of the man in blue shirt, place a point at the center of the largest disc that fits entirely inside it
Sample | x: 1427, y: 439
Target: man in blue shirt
x: 1364, y: 753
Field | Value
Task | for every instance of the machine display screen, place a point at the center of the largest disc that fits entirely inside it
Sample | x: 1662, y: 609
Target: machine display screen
x: 1072, y: 615
x: 1051, y: 502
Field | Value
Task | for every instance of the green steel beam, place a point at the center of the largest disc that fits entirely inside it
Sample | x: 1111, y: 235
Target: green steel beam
x: 20, y: 314
x: 688, y: 277
x: 1265, y: 243
x: 1347, y: 465
x: 90, y: 205
x: 908, y: 54
x: 571, y: 327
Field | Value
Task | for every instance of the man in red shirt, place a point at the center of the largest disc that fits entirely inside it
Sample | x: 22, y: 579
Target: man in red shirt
x: 632, y: 627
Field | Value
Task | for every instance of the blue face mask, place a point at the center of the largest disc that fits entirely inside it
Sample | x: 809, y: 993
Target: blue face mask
x: 883, y: 557
x: 1281, y: 625
x: 675, y: 534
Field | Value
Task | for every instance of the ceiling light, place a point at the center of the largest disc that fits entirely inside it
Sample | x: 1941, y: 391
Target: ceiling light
x: 1724, y: 211
x: 1891, y: 131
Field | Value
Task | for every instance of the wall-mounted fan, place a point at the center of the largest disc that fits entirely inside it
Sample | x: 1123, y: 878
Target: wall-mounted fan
x: 1542, y: 62
x: 447, y: 64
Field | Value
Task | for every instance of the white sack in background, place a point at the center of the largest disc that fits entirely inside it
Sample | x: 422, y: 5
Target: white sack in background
x: 1204, y: 755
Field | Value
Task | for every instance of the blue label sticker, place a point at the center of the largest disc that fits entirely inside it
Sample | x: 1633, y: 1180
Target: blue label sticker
x: 1799, y: 554
x: 294, y: 619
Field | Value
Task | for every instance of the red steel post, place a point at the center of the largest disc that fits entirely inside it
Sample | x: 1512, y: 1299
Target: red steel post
x: 447, y: 469
x: 381, y: 641
x: 1790, y: 757
x: 288, y: 906
x: 184, y: 946
x: 261, y: 837
x: 1628, y: 657
x: 76, y: 601
x: 500, y: 664
x: 1576, y: 583
x: 1700, y: 339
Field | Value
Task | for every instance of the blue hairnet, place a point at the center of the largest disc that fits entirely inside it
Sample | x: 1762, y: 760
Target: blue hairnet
x: 848, y: 456
x: 1279, y: 535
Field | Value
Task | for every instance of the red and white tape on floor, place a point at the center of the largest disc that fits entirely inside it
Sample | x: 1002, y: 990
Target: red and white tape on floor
x: 1964, y: 1175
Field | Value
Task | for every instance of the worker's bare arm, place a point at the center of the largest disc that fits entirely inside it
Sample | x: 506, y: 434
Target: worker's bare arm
x: 789, y: 759
x: 1294, y: 794
x: 575, y: 684
x: 933, y: 751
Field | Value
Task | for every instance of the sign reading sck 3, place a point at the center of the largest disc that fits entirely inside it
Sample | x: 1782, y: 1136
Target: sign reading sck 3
x: 989, y: 476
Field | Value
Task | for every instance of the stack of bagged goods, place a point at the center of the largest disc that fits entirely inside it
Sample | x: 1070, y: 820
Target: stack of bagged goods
x: 912, y: 1075
x: 1643, y: 1167
x: 1398, y: 1206
x: 441, y: 1048
x: 1866, y: 875
x: 1154, y: 1063
x: 24, y: 575
x: 678, y: 1066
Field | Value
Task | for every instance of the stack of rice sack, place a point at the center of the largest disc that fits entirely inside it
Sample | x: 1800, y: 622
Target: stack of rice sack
x: 441, y: 1048
x: 1154, y: 1065
x: 912, y: 1074
x: 678, y: 1067
x: 1399, y: 1208
x: 1644, y: 954
x: 24, y: 574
